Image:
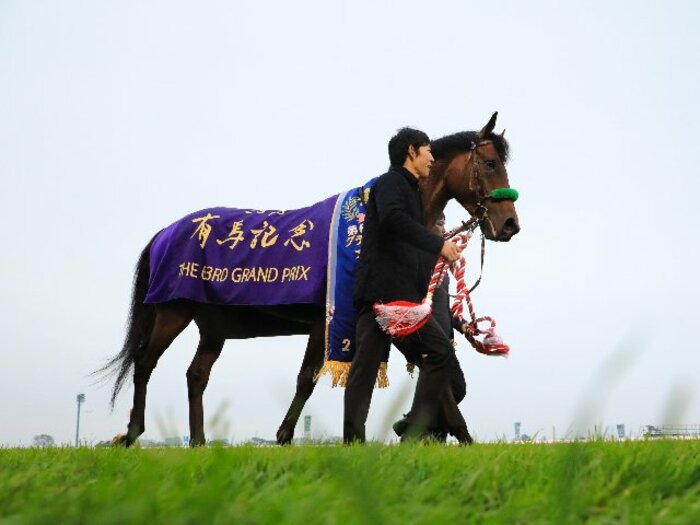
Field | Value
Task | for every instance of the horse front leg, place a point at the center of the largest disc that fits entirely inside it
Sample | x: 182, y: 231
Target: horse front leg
x: 310, y: 366
x: 198, y: 373
x: 169, y: 323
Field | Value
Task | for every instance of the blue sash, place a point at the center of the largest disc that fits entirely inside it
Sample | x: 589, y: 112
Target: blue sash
x: 345, y: 240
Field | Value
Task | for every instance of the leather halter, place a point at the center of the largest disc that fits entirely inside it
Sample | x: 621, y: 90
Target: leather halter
x: 480, y: 215
x: 476, y: 182
x: 477, y: 185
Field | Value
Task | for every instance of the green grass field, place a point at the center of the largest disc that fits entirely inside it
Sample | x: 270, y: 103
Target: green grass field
x: 595, y: 482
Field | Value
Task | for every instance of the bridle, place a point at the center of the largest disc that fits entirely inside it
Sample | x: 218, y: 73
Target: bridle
x: 476, y: 183
x: 476, y: 180
x: 480, y: 214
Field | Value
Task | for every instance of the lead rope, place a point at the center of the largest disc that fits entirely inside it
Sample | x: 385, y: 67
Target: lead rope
x: 401, y: 318
x: 492, y: 343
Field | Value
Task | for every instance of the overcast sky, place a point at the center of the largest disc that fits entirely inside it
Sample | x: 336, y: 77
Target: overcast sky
x: 117, y: 118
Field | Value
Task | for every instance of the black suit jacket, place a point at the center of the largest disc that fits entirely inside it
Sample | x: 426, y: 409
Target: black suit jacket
x: 398, y: 253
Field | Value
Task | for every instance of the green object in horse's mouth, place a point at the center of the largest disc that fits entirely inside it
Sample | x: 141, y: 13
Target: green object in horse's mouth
x: 503, y: 194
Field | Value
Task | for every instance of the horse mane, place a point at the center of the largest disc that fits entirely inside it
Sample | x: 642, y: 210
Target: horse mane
x: 448, y: 146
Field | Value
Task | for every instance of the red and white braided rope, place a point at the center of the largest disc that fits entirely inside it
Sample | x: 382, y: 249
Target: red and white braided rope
x: 401, y: 318
x: 492, y: 343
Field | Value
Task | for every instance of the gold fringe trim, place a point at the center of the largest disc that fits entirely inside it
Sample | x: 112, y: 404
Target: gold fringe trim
x: 339, y: 371
x: 410, y: 367
x: 382, y: 377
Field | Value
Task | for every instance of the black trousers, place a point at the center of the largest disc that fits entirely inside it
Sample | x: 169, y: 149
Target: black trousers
x: 433, y: 390
x: 458, y: 383
x: 455, y: 395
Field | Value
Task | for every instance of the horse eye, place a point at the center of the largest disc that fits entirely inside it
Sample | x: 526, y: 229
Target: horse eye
x: 490, y: 164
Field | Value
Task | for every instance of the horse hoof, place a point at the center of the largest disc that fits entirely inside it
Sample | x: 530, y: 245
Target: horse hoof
x: 284, y: 435
x: 120, y: 440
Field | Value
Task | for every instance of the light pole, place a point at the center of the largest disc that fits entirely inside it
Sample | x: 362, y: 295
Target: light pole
x: 80, y: 399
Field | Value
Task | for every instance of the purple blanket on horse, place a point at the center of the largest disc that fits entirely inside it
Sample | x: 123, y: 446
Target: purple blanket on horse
x: 243, y: 257
x: 269, y: 257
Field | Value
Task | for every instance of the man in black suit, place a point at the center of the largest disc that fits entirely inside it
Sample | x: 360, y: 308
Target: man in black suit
x: 396, y: 260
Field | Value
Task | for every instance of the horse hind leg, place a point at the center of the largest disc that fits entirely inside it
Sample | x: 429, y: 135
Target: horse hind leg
x: 169, y: 322
x: 198, y: 373
x: 310, y: 366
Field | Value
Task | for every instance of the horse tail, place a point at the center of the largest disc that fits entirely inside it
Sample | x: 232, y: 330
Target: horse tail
x: 139, y: 326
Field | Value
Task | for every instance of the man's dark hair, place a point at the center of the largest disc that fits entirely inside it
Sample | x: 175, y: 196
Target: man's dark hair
x: 399, y: 143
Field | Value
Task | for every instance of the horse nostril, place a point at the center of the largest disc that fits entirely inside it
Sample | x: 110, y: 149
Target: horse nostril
x: 511, y: 227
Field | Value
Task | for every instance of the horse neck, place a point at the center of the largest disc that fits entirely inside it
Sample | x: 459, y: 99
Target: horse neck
x: 434, y: 195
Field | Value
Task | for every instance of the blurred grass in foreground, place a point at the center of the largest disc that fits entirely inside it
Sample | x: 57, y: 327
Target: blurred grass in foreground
x: 592, y: 482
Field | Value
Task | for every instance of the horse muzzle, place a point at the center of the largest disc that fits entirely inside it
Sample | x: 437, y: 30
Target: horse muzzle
x: 510, y: 228
x: 494, y: 230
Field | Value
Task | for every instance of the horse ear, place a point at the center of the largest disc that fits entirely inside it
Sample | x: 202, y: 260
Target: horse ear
x: 503, y: 133
x: 488, y: 128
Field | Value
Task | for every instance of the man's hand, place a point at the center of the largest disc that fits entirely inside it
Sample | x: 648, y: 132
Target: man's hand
x: 449, y: 251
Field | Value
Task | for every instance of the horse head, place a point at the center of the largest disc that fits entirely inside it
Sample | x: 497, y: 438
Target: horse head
x: 470, y: 167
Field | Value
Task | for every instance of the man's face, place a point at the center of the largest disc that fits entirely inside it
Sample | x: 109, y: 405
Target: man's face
x: 421, y: 160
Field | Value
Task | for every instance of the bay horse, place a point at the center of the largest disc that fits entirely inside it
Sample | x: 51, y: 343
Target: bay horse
x: 467, y: 167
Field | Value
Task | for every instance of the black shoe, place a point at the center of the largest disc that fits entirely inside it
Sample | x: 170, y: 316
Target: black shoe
x: 400, y: 426
x: 463, y: 436
x: 423, y: 438
x: 439, y: 435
